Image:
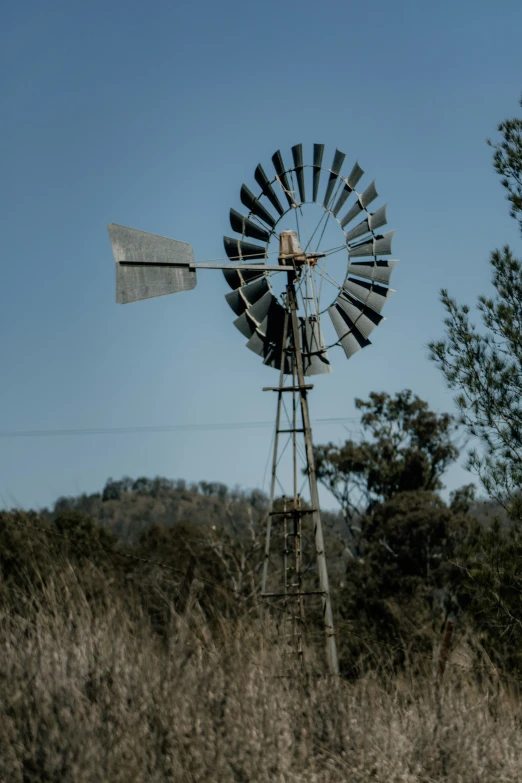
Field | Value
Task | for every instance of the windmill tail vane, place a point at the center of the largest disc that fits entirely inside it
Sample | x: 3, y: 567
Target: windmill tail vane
x: 278, y: 286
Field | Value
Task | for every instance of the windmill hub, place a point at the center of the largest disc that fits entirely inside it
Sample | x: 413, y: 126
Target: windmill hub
x: 291, y: 253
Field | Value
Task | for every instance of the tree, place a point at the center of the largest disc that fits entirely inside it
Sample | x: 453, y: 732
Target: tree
x: 485, y: 367
x: 408, y: 447
x: 398, y: 593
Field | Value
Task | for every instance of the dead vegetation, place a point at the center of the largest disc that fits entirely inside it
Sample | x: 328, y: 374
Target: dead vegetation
x: 90, y: 692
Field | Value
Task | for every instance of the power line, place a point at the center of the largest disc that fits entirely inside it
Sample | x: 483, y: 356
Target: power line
x: 194, y: 427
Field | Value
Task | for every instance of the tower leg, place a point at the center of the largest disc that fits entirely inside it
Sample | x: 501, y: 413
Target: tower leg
x: 331, y: 645
x: 293, y: 590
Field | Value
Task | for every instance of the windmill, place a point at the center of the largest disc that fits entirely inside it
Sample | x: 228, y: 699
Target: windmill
x: 278, y: 285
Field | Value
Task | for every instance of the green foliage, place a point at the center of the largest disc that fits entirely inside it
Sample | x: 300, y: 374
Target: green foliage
x: 404, y: 584
x: 492, y: 567
x: 486, y: 370
x: 507, y: 160
x: 485, y: 366
x: 401, y: 582
x: 407, y: 448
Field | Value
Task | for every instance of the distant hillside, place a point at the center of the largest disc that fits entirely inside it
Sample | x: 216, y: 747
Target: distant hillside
x: 131, y: 507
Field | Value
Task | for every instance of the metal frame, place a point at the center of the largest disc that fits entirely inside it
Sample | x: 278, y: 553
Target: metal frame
x: 148, y: 265
x: 299, y: 391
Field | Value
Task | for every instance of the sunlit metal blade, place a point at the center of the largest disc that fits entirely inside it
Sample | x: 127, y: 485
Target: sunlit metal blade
x: 251, y: 203
x: 279, y: 166
x: 353, y: 178
x: 380, y: 271
x: 351, y: 339
x: 372, y: 294
x: 378, y: 218
x: 355, y: 175
x: 297, y: 153
x: 245, y: 296
x: 377, y: 246
x: 239, y: 250
x: 246, y: 227
x: 318, y: 162
x: 369, y: 195
x: 345, y: 192
x: 315, y: 356
x: 268, y: 191
x: 334, y: 173
x: 375, y: 220
x: 134, y: 283
x: 352, y: 213
x: 365, y: 318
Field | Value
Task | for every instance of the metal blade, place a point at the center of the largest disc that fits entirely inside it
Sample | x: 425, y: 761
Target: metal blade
x: 364, y: 317
x: 380, y: 271
x: 239, y: 250
x: 236, y: 278
x: 315, y: 356
x: 268, y: 191
x: 297, y: 153
x: 134, y: 283
x: 351, y: 339
x: 273, y: 328
x: 375, y: 220
x: 251, y: 203
x: 369, y: 195
x: 372, y: 294
x: 334, y: 173
x: 257, y: 343
x: 345, y: 192
x: 352, y: 213
x: 279, y: 166
x: 259, y: 310
x: 378, y: 218
x: 318, y: 162
x: 268, y: 338
x: 377, y: 246
x: 245, y: 325
x: 355, y: 175
x: 247, y: 228
x: 245, y: 296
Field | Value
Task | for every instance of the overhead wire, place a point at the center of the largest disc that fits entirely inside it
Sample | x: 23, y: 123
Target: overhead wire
x: 234, y: 425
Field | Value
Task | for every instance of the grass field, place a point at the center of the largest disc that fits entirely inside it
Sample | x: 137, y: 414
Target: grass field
x: 89, y: 692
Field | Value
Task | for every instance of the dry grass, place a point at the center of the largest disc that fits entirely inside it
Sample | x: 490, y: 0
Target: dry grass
x: 89, y: 693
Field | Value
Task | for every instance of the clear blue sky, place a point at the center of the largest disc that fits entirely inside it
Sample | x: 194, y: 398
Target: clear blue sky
x: 152, y: 115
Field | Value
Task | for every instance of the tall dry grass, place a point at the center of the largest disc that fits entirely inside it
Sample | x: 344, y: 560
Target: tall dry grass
x: 89, y: 693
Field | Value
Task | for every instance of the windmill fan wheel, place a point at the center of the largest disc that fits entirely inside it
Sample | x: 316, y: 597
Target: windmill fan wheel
x: 359, y: 295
